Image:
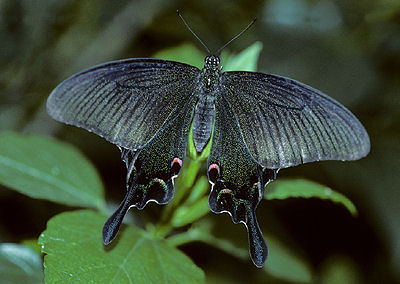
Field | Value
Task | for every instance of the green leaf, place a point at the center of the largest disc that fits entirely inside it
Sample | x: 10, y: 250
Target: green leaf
x: 186, y: 53
x: 19, y: 264
x: 302, y: 188
x: 75, y: 253
x: 246, y: 60
x: 42, y: 167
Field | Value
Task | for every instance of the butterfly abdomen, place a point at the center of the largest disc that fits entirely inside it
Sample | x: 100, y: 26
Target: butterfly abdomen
x: 204, y: 113
x: 203, y: 121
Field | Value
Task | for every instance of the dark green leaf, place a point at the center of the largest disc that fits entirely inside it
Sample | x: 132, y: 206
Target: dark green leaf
x: 44, y: 168
x: 74, y: 252
x: 302, y: 188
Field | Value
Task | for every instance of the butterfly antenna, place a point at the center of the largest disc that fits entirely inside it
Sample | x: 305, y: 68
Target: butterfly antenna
x: 238, y: 35
x: 187, y: 26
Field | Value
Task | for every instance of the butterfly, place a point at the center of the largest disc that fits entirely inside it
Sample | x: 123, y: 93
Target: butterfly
x: 256, y: 123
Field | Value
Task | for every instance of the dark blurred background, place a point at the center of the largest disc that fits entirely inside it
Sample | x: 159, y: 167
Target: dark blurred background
x: 348, y: 49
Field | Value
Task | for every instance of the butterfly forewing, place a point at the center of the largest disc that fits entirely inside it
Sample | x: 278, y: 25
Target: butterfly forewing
x: 285, y: 123
x: 125, y: 101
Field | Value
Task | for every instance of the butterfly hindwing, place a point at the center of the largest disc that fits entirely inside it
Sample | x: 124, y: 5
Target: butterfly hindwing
x: 238, y: 180
x: 286, y: 123
x: 150, y: 171
x: 125, y: 101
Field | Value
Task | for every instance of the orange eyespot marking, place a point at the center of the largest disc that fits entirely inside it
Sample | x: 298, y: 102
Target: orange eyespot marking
x: 213, y: 166
x: 162, y: 182
x: 226, y: 190
x: 178, y: 161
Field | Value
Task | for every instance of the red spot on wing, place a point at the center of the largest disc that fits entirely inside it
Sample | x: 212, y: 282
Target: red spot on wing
x: 178, y: 161
x: 213, y: 166
x: 176, y: 166
x: 213, y: 172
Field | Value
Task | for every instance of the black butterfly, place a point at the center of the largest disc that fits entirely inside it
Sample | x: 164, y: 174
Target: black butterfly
x: 257, y: 123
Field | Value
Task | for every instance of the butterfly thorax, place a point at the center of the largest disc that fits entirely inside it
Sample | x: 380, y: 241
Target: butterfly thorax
x: 205, y: 108
x: 211, y: 73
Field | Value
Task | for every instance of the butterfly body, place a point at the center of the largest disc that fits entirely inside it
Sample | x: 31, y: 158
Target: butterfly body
x: 204, y: 113
x: 257, y: 124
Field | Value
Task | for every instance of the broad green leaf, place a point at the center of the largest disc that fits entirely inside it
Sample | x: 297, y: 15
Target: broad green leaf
x: 185, y: 53
x: 75, y: 253
x: 44, y: 168
x: 246, y: 60
x: 302, y: 188
x: 19, y: 264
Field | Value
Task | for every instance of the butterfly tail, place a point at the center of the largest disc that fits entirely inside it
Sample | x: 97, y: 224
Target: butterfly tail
x: 257, y: 246
x: 112, y: 225
x: 142, y: 187
x: 242, y: 210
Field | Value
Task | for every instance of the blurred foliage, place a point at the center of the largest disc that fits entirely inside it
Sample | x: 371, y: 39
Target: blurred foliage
x: 348, y: 49
x: 20, y: 264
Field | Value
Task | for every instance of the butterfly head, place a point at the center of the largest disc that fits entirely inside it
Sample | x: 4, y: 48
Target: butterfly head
x: 212, y: 62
